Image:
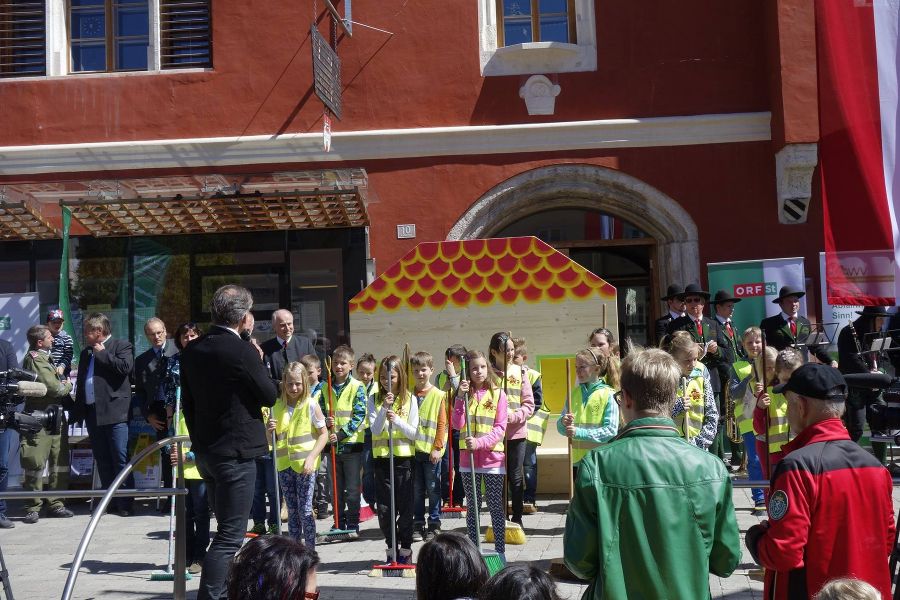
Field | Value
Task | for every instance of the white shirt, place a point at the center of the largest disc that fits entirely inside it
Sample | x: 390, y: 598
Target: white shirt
x: 378, y: 418
x: 787, y: 317
x: 675, y: 315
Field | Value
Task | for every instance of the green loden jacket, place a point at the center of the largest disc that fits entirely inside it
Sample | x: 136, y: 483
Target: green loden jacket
x: 651, y: 517
x: 39, y: 362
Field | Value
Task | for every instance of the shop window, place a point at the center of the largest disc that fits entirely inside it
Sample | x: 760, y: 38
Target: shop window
x: 22, y: 38
x: 522, y: 37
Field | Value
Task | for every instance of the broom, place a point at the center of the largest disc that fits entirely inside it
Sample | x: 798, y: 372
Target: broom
x: 336, y: 533
x: 393, y: 568
x: 450, y: 512
x: 492, y: 560
x: 514, y: 535
x: 169, y: 573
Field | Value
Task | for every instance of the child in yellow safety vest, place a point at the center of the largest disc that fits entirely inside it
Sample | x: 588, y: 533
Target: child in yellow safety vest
x: 536, y: 426
x: 774, y: 405
x: 322, y: 495
x: 592, y: 418
x: 695, y: 412
x: 300, y: 435
x: 483, y: 446
x: 448, y: 380
x: 365, y: 371
x: 431, y: 439
x: 741, y: 373
x: 394, y: 418
x: 196, y: 505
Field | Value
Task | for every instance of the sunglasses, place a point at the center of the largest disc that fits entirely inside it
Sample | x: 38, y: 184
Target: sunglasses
x: 693, y: 300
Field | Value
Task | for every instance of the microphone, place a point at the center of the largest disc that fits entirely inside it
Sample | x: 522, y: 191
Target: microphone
x: 874, y: 381
x: 28, y: 389
x: 245, y: 335
x: 19, y: 374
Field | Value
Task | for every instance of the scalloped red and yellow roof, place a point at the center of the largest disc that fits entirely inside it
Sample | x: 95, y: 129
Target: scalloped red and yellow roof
x: 480, y: 273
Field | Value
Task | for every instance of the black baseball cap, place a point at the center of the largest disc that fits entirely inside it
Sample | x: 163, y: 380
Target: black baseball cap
x: 818, y: 381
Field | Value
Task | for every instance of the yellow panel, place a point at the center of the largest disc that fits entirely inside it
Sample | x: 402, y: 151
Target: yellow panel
x: 553, y: 380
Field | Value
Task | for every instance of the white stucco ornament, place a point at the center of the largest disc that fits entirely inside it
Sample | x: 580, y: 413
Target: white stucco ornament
x: 540, y: 95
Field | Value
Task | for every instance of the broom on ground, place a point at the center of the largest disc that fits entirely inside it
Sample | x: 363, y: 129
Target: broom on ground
x: 335, y: 533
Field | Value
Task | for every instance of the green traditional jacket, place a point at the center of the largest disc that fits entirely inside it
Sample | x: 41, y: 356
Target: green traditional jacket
x: 651, y: 518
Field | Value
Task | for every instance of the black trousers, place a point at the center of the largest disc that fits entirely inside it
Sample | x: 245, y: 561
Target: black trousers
x: 515, y: 469
x: 403, y: 499
x: 230, y: 483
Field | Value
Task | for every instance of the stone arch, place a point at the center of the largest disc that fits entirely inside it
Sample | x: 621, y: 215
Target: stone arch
x: 594, y: 188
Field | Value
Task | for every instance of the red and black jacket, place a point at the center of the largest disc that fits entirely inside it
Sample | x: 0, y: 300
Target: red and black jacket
x: 830, y: 515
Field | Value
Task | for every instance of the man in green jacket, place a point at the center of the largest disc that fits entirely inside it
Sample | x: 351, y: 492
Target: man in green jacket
x: 45, y: 447
x: 652, y: 515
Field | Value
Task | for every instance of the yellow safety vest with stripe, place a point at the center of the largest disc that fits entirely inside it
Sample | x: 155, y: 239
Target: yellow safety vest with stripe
x: 513, y: 387
x: 429, y: 411
x: 295, y: 435
x: 482, y: 415
x: 745, y: 422
x: 403, y: 446
x: 695, y: 392
x: 343, y: 410
x: 588, y: 414
x: 536, y: 426
x: 190, y: 468
x: 779, y: 428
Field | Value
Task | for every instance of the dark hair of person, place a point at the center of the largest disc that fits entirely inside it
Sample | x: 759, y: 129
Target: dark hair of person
x: 183, y: 329
x: 270, y: 567
x: 449, y: 567
x: 498, y: 343
x: 457, y: 350
x: 522, y: 582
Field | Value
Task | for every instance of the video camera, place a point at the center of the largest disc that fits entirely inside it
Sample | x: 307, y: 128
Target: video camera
x: 16, y: 384
x: 886, y: 409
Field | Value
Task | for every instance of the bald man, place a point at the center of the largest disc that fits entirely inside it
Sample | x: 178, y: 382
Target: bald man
x: 285, y: 347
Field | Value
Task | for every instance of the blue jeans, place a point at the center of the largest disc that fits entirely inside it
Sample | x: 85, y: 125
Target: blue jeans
x: 109, y: 443
x: 5, y: 440
x: 426, y: 483
x: 196, y: 520
x: 754, y: 468
x: 229, y: 483
x: 265, y: 485
x: 531, y: 472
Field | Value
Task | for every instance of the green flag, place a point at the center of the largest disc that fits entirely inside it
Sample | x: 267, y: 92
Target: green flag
x: 64, y: 281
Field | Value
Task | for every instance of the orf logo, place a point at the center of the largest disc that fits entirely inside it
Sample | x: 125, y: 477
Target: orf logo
x: 749, y: 290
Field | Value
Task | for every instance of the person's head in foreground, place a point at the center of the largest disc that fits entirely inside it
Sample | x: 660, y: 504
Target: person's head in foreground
x: 848, y: 589
x: 449, y: 567
x: 273, y: 567
x: 522, y: 582
x: 649, y: 384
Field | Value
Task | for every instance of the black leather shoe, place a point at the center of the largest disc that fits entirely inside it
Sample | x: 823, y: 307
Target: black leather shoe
x: 60, y: 512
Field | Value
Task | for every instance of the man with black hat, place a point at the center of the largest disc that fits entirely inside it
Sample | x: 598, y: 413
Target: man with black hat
x: 789, y: 328
x: 830, y: 511
x: 731, y: 350
x: 853, y: 340
x: 675, y: 307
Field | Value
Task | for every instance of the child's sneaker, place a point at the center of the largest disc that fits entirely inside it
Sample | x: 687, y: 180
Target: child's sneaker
x: 404, y: 556
x: 418, y: 535
x: 258, y: 529
x: 273, y: 529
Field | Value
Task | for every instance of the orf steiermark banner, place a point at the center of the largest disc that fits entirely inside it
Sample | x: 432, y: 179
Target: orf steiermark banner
x: 756, y: 283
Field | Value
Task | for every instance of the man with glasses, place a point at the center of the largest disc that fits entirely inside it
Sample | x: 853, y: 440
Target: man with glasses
x: 652, y: 515
x: 830, y: 510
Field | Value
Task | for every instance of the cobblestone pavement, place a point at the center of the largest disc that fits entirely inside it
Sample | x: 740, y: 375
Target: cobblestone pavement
x: 125, y: 551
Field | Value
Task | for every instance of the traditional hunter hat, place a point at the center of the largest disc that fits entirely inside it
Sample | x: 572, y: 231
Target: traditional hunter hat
x: 812, y: 380
x: 874, y: 311
x: 694, y: 289
x: 788, y: 290
x: 55, y: 315
x: 673, y: 291
x: 723, y: 296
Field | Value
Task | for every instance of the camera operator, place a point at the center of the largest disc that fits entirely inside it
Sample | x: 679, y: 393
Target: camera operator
x: 43, y: 446
x: 852, y: 359
x: 7, y: 361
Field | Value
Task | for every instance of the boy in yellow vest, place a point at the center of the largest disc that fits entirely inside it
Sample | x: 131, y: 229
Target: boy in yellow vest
x: 448, y: 380
x: 431, y: 438
x: 536, y: 427
x: 741, y: 374
x: 322, y: 494
x: 347, y: 428
x: 365, y: 371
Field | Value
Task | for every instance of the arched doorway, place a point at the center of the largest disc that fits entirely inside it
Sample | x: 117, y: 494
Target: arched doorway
x: 619, y: 227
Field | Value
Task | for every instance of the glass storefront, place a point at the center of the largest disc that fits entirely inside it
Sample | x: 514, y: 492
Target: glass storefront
x: 314, y: 273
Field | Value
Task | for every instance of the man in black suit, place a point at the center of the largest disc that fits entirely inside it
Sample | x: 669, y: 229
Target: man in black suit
x: 789, y: 328
x: 704, y: 331
x: 675, y: 309
x: 731, y: 350
x: 7, y: 361
x: 149, y: 371
x: 285, y: 347
x: 103, y: 400
x: 224, y: 385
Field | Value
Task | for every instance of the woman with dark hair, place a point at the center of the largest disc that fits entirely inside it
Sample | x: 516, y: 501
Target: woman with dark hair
x: 522, y: 582
x: 449, y: 568
x: 273, y: 567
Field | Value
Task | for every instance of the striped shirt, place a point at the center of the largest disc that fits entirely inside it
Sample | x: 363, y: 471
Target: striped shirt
x: 62, y: 351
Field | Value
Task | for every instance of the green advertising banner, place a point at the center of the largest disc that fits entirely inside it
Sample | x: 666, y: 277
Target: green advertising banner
x: 756, y: 283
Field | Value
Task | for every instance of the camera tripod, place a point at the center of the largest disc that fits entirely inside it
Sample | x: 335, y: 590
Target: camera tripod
x: 4, y: 577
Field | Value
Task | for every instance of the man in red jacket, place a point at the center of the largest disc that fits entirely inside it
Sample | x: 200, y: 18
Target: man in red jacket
x: 830, y: 511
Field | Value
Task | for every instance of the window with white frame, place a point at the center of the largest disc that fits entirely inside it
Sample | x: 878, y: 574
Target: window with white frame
x: 49, y: 37
x: 527, y: 37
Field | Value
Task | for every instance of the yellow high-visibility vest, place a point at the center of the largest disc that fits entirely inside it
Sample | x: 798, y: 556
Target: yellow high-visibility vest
x: 745, y: 422
x: 695, y: 392
x: 295, y: 435
x: 779, y: 428
x: 429, y: 411
x: 403, y: 447
x: 482, y: 415
x: 536, y: 426
x: 588, y: 414
x: 343, y: 410
x: 190, y: 469
x: 513, y: 387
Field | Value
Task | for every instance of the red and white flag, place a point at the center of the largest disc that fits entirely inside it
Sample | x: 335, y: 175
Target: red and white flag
x: 858, y: 73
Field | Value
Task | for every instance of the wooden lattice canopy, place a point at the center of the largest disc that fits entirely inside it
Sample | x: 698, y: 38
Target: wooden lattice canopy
x: 19, y: 221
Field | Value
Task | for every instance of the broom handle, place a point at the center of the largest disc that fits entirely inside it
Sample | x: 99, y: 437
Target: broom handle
x: 450, y: 472
x: 176, y: 421
x: 277, y: 485
x: 334, y: 485
x: 393, y: 492
x: 473, y: 502
x: 570, y: 474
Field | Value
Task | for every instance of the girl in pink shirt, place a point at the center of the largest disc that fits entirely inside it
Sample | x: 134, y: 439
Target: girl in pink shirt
x: 487, y: 416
